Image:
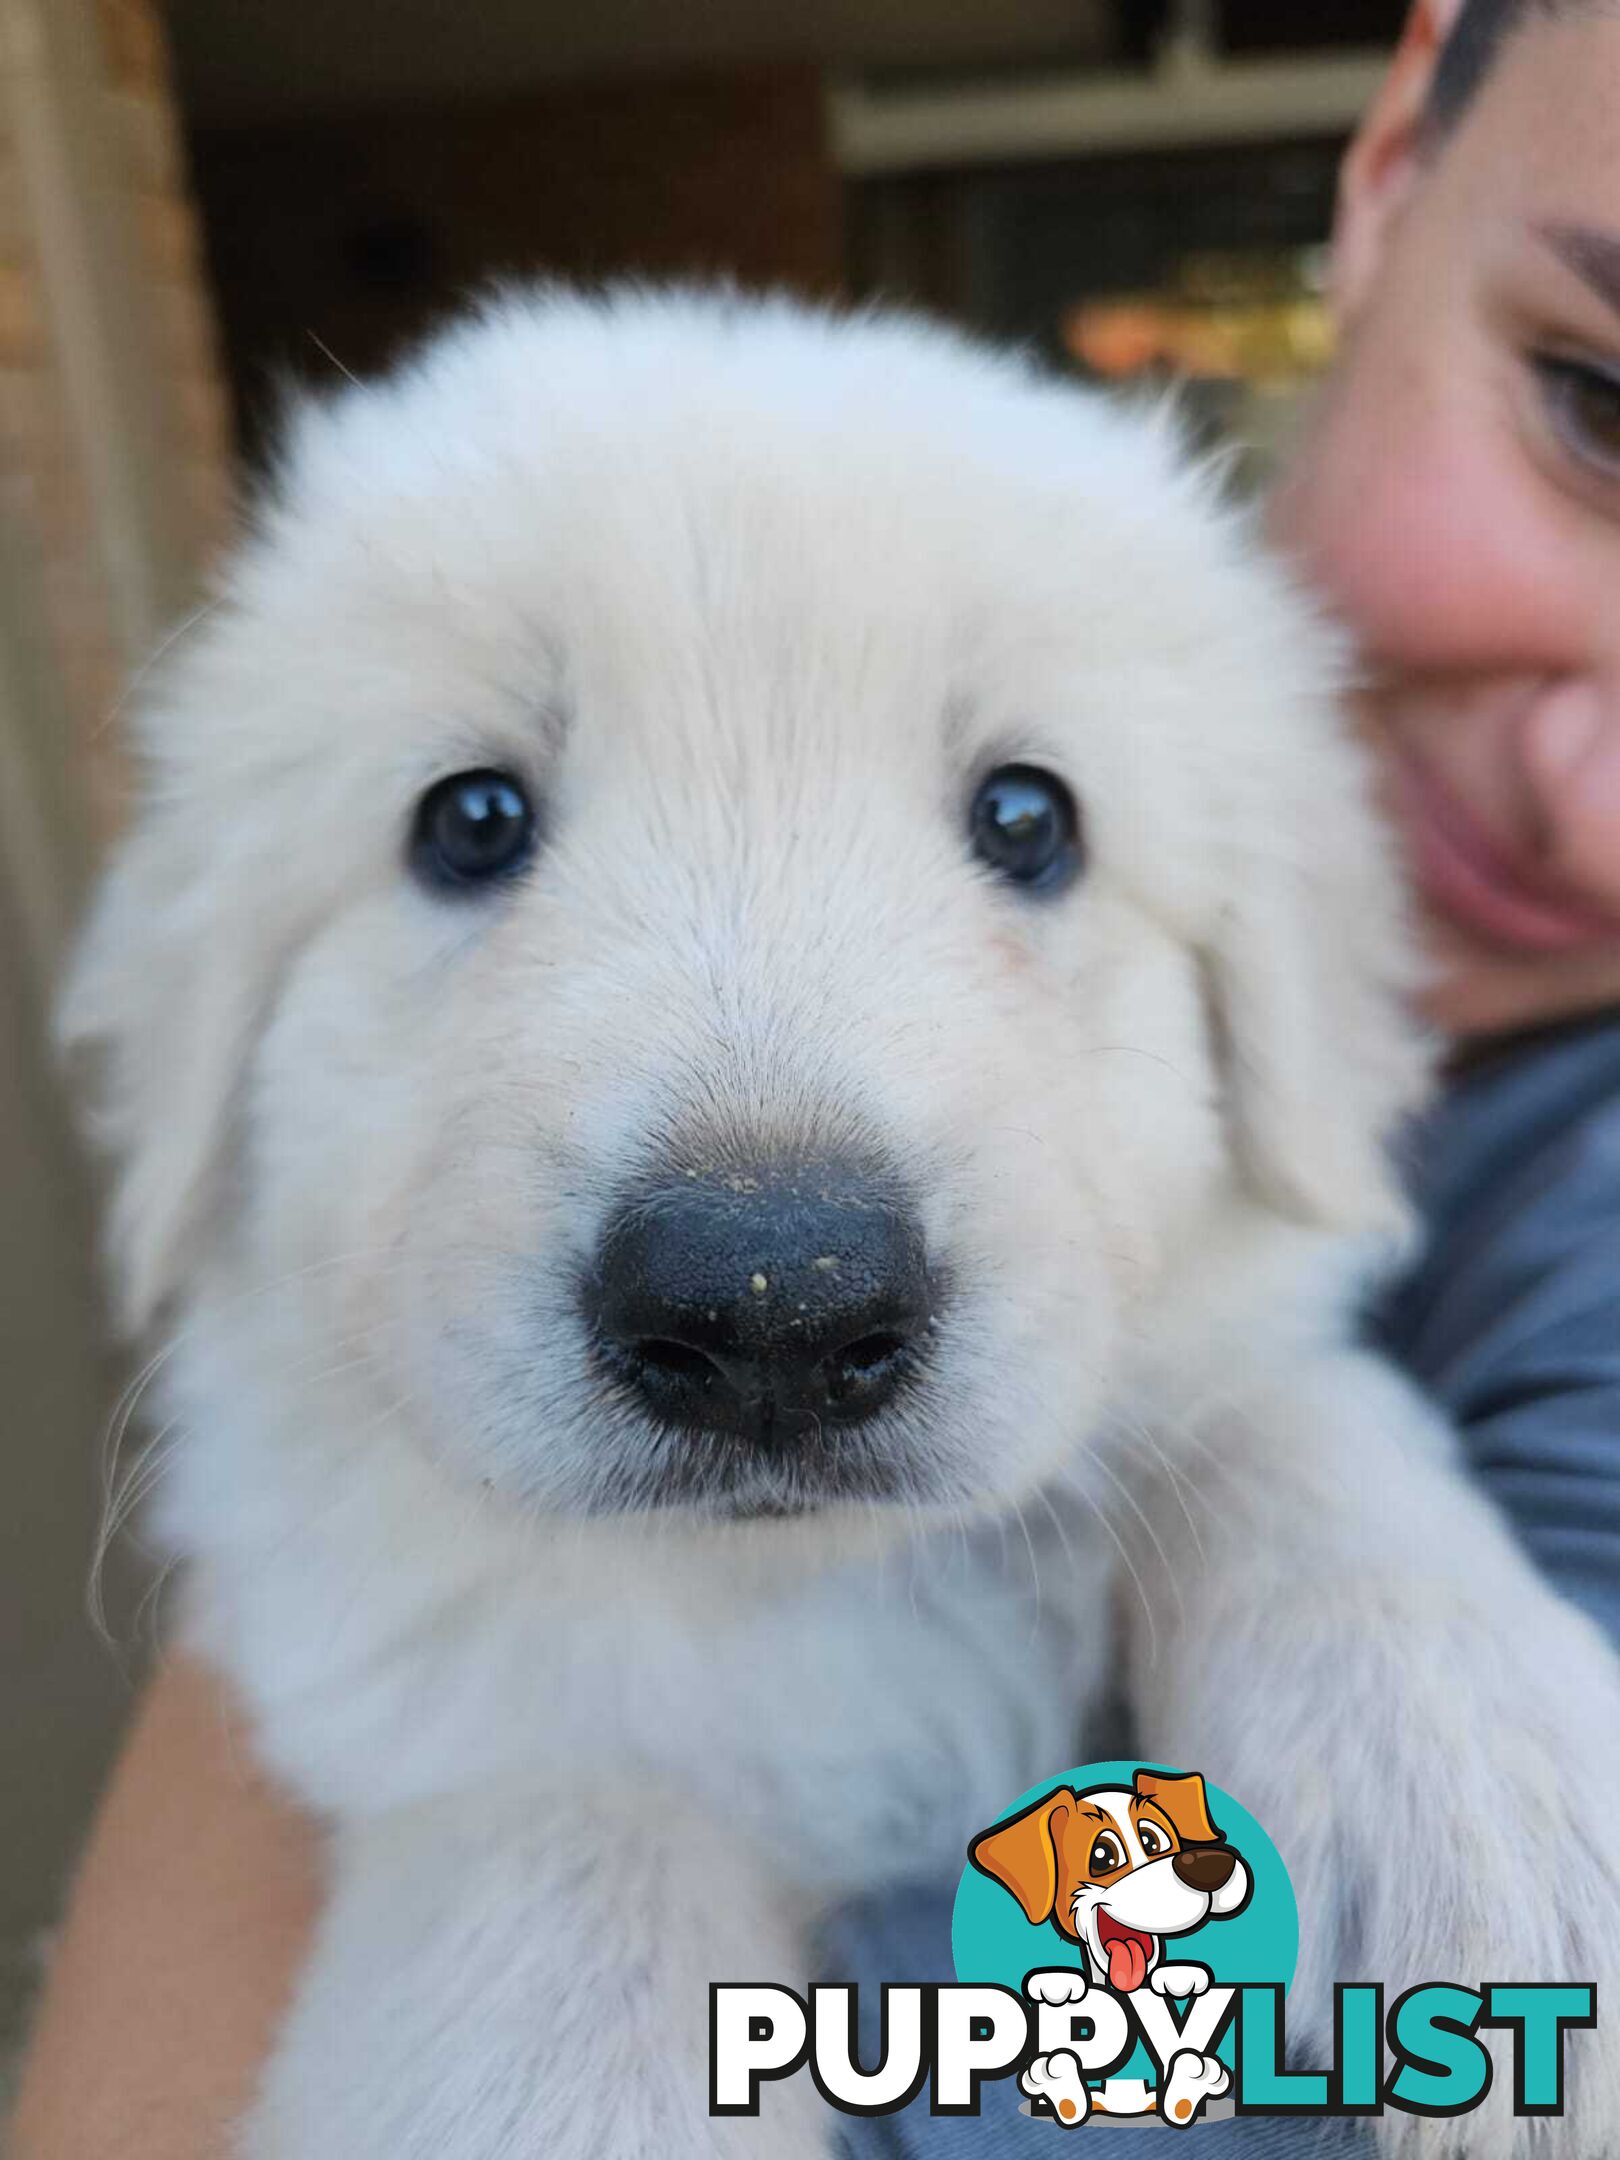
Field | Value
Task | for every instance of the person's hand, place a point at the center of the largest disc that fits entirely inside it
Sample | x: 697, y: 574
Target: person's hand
x: 186, y: 1926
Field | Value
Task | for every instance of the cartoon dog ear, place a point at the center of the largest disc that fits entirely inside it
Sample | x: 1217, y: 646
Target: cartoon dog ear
x: 1184, y: 1800
x: 1021, y: 1854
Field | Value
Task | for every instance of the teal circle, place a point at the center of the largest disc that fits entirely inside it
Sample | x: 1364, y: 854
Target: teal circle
x: 992, y: 1942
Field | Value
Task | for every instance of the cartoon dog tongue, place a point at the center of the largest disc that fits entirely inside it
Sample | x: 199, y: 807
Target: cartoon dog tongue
x: 1127, y: 1954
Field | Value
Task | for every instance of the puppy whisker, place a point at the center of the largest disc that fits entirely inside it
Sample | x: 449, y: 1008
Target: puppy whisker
x: 1131, y: 1570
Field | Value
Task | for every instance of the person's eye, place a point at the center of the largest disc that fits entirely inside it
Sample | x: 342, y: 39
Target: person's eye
x: 1582, y: 401
x: 1025, y: 825
x: 472, y: 829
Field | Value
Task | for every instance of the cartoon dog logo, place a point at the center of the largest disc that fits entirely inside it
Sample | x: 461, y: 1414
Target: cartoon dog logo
x: 1120, y: 1870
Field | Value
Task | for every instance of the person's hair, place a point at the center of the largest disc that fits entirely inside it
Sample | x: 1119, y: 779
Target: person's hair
x: 1472, y: 50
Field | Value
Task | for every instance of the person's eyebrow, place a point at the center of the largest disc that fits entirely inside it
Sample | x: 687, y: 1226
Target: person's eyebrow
x: 1593, y: 255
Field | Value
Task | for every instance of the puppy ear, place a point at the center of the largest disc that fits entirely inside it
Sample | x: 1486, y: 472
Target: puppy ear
x: 162, y: 998
x: 1021, y: 1854
x: 1308, y: 976
x: 1184, y: 1800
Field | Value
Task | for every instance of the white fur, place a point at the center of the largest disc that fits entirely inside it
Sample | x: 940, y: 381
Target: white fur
x: 752, y: 597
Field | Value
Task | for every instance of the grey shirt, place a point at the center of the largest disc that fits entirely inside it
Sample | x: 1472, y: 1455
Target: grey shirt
x: 1511, y: 1321
x: 1512, y: 1318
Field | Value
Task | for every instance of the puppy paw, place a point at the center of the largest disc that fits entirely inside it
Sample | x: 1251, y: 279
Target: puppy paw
x: 1193, y: 2079
x: 1062, y: 1985
x: 1179, y: 1980
x: 1057, y: 2079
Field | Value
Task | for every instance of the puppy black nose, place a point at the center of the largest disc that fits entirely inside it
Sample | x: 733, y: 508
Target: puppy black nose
x: 762, y: 1303
x: 1207, y: 1869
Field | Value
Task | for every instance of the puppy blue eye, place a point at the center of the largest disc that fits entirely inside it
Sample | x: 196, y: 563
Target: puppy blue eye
x: 1025, y: 825
x: 471, y: 829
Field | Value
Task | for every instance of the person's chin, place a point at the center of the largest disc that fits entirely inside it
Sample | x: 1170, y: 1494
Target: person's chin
x: 1475, y: 990
x: 1508, y: 951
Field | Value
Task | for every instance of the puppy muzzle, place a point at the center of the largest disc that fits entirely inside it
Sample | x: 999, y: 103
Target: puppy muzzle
x: 762, y: 1303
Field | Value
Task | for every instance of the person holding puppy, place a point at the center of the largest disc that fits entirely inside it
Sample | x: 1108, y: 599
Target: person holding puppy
x: 1457, y: 502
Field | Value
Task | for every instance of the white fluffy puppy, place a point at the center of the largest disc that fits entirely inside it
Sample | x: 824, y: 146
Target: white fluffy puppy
x: 748, y: 1027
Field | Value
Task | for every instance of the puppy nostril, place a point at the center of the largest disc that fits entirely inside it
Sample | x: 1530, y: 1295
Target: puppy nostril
x: 862, y: 1366
x: 675, y: 1361
x: 870, y: 1352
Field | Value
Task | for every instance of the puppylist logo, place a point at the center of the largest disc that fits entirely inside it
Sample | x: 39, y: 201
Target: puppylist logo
x: 1121, y: 1871
x: 1123, y: 1940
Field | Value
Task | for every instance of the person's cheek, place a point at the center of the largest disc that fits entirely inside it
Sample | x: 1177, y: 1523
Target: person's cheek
x: 1440, y: 556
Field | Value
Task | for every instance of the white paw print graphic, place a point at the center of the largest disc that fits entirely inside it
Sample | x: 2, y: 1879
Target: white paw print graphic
x: 1057, y: 2078
x: 1193, y: 2079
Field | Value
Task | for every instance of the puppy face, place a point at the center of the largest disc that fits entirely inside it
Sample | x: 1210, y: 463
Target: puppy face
x: 716, y: 900
x: 1119, y: 1869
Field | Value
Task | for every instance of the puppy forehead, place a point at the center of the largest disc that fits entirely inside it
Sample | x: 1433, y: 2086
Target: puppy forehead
x: 553, y: 405
x: 743, y: 550
x: 642, y: 491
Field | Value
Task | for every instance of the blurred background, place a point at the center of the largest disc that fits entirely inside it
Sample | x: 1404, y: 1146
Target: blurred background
x: 205, y: 202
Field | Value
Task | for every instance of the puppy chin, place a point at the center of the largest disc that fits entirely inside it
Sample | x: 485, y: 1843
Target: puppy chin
x: 828, y: 1476
x: 558, y: 1440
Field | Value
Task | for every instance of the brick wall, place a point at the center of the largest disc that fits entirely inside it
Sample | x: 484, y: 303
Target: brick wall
x: 114, y: 435
x: 169, y: 251
x: 334, y: 240
x: 113, y: 482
